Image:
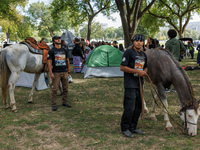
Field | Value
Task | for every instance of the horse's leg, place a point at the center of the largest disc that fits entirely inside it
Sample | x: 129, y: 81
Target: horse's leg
x: 11, y: 85
x: 145, y: 107
x: 162, y: 94
x: 4, y: 83
x: 49, y: 80
x: 153, y: 115
x: 37, y: 75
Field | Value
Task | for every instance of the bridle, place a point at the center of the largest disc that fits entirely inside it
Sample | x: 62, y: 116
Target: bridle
x: 184, y: 109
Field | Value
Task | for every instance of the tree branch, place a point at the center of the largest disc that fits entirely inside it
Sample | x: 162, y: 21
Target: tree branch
x: 92, y: 11
x: 169, y: 7
x: 147, y: 8
x: 186, y: 22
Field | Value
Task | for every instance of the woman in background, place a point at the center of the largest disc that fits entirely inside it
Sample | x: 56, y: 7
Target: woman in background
x: 121, y: 48
x: 78, y: 56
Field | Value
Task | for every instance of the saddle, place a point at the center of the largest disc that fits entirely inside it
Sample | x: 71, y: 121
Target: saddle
x: 37, y: 48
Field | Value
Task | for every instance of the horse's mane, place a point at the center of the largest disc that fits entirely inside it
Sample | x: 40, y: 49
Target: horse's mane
x: 194, y: 101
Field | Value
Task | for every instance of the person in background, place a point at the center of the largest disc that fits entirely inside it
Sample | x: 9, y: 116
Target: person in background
x: 64, y: 45
x: 59, y: 69
x: 151, y: 44
x: 191, y: 48
x: 115, y: 44
x: 121, y: 48
x: 173, y: 45
x: 198, y: 55
x: 134, y: 66
x: 78, y: 56
x: 6, y: 44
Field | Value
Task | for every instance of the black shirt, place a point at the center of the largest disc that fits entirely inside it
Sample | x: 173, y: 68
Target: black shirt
x: 58, y: 57
x: 77, y: 51
x: 151, y: 46
x: 133, y: 59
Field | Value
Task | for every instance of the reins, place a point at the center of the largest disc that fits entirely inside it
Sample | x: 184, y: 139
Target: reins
x: 142, y: 98
x: 183, y: 130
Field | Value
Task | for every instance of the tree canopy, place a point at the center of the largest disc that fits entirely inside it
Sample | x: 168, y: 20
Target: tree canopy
x: 40, y: 15
x: 176, y: 13
x: 84, y: 9
x: 7, y: 8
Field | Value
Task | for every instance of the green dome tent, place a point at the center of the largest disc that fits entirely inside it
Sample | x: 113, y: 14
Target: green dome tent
x: 104, y: 61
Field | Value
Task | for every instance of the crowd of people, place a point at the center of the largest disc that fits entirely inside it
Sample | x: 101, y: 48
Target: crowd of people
x: 82, y: 50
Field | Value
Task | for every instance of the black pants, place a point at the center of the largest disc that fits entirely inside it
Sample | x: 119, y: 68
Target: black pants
x: 132, y: 109
x: 192, y: 54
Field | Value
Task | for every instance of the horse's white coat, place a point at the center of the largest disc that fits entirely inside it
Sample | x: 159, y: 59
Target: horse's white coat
x: 192, y: 119
x: 18, y: 59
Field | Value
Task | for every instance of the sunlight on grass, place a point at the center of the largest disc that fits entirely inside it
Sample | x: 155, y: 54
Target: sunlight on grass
x: 93, y: 122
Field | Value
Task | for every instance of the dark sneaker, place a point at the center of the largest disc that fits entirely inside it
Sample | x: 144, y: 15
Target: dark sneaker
x: 67, y: 105
x: 173, y: 90
x: 137, y: 132
x: 54, y: 107
x: 127, y: 133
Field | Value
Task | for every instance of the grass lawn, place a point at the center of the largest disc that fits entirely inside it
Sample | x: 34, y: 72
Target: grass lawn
x: 93, y: 122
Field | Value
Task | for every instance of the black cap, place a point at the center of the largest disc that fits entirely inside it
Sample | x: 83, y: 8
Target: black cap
x: 55, y: 38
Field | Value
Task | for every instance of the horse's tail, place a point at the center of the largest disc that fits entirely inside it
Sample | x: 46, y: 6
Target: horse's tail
x: 5, y: 74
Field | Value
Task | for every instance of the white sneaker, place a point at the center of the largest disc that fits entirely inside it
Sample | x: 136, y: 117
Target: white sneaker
x: 167, y: 90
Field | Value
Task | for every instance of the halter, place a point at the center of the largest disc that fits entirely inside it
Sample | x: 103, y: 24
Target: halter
x: 184, y: 109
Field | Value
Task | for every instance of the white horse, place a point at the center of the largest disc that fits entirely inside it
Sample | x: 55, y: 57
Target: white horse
x: 15, y: 59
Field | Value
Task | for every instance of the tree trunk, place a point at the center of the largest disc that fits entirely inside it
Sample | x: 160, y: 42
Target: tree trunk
x: 8, y: 35
x: 125, y: 25
x: 131, y: 16
x: 89, y: 27
x: 51, y: 32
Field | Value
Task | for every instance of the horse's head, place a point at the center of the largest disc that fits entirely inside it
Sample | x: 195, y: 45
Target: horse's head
x: 190, y: 117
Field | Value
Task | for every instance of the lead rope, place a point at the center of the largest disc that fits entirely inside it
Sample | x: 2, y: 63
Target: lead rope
x: 142, y: 99
x: 183, y: 130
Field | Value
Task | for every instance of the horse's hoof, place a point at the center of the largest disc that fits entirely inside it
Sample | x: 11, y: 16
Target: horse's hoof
x: 146, y: 110
x: 7, y: 107
x: 153, y: 118
x: 170, y: 129
x: 14, y: 110
x: 30, y: 102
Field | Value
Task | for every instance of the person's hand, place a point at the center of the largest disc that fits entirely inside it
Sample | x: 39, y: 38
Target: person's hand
x: 52, y: 76
x: 142, y: 73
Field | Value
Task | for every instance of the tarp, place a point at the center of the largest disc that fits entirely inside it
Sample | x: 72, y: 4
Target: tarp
x: 27, y: 79
x: 104, y: 61
x: 68, y: 37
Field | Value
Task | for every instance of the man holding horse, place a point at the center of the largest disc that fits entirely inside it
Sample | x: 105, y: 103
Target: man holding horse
x: 59, y: 69
x: 134, y: 65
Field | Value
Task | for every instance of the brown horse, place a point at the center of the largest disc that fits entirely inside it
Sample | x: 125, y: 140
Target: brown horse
x: 164, y: 71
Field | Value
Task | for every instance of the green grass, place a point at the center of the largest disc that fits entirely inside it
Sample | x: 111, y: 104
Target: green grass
x: 93, y: 122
